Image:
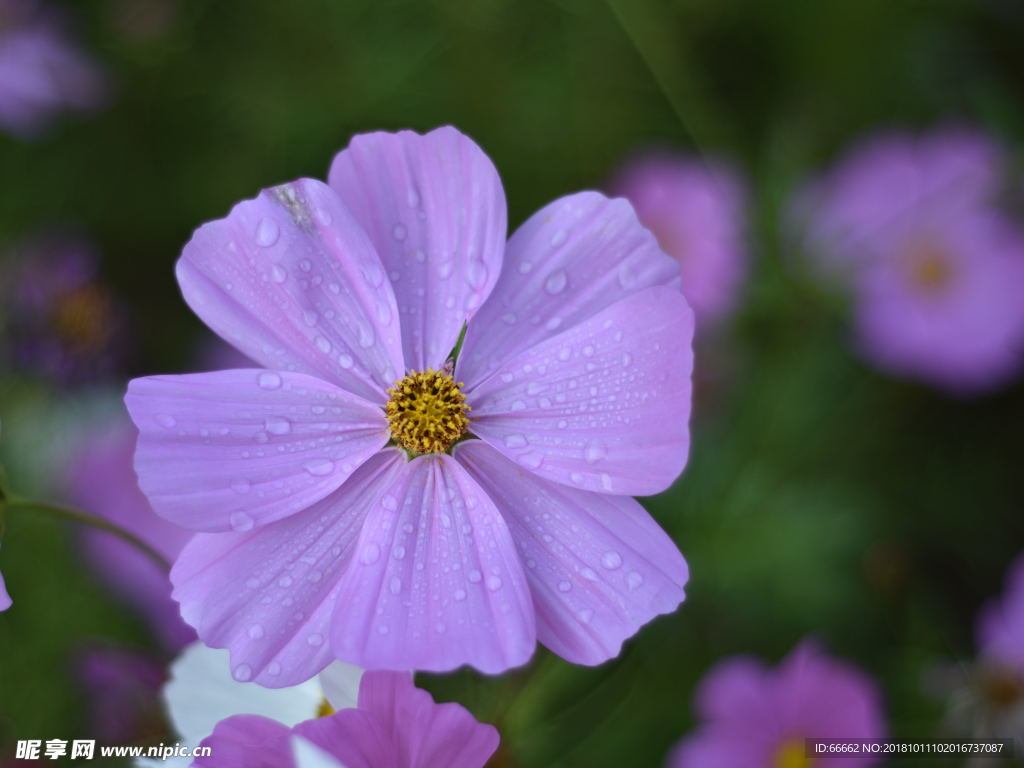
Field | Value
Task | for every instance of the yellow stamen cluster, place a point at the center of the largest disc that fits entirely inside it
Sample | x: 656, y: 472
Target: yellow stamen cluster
x: 324, y: 709
x: 427, y: 411
x: 930, y: 267
x: 791, y: 754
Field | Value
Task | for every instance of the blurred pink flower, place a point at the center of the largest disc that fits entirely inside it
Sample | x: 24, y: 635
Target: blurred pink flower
x: 753, y: 716
x: 348, y: 515
x: 911, y: 225
x: 696, y: 210
x: 5, y: 599
x: 1001, y: 626
x: 123, y: 689
x: 42, y: 73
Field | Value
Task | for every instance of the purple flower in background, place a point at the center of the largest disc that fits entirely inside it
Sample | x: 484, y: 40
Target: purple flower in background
x: 753, y: 716
x: 696, y: 211
x: 1001, y: 625
x: 357, y: 499
x: 100, y: 479
x: 61, y: 321
x: 123, y: 690
x: 932, y: 265
x: 5, y: 599
x: 42, y: 73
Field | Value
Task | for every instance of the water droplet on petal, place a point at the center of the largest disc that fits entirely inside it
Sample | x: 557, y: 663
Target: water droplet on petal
x: 595, y: 451
x: 556, y: 282
x: 242, y: 673
x: 585, y: 615
x: 515, y: 441
x: 267, y: 232
x: 634, y: 580
x: 460, y: 595
x: 241, y: 522
x: 165, y: 420
x: 274, y: 669
x: 315, y: 640
x: 319, y: 467
x: 564, y: 586
x: 474, y: 576
x: 269, y: 380
x: 494, y: 583
x: 345, y: 361
x: 256, y: 631
x: 398, y: 232
x: 370, y: 554
x: 277, y: 425
x: 278, y: 274
x: 241, y: 485
x: 611, y: 560
x: 395, y: 586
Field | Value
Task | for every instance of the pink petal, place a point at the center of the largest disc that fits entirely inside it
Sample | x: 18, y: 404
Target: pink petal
x: 435, y: 209
x: 436, y: 581
x: 237, y: 449
x: 248, y: 741
x: 412, y: 731
x: 570, y: 260
x: 599, y: 567
x: 268, y: 595
x: 603, y: 406
x: 5, y: 599
x: 291, y: 280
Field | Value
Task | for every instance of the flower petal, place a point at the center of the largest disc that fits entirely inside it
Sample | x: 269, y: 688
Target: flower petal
x: 599, y: 566
x: 202, y: 692
x: 291, y: 280
x: 570, y: 260
x: 237, y: 449
x: 435, y: 209
x: 436, y: 581
x: 308, y: 755
x: 248, y: 741
x: 268, y: 595
x: 5, y: 599
x: 417, y: 732
x: 604, y: 406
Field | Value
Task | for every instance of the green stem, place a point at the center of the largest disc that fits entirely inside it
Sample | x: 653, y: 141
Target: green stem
x: 84, y: 518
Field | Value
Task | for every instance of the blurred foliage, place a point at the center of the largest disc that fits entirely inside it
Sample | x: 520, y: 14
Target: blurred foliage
x: 820, y: 498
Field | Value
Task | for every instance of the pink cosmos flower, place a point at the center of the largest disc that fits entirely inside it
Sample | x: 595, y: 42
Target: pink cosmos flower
x: 755, y: 717
x: 100, y: 480
x: 933, y: 266
x: 361, y: 499
x: 41, y: 72
x: 343, y: 716
x: 696, y: 211
x: 395, y: 725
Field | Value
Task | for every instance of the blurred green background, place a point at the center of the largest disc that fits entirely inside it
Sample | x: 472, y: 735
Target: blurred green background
x: 821, y: 497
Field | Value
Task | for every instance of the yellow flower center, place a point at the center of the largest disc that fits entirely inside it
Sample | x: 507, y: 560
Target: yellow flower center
x: 791, y: 754
x: 427, y: 411
x: 324, y: 709
x: 930, y: 267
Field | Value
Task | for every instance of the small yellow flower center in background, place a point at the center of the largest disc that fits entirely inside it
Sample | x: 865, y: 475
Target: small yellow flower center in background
x: 791, y: 754
x: 324, y: 709
x: 427, y: 411
x: 930, y: 267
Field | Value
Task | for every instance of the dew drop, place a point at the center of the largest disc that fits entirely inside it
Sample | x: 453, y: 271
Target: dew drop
x: 564, y: 586
x: 585, y: 615
x: 474, y: 576
x: 398, y: 232
x: 315, y: 640
x: 460, y: 595
x: 256, y: 631
x: 370, y: 554
x: 278, y: 274
x: 345, y: 361
x: 494, y: 583
x: 611, y: 560
x: 319, y: 467
x: 556, y: 282
x: 559, y: 237
x: 395, y: 586
x: 241, y: 485
x: 267, y: 232
x: 594, y: 452
x: 269, y: 380
x: 476, y: 275
x: 634, y: 580
x: 274, y: 669
x: 165, y: 420
x: 241, y: 522
x: 515, y: 441
x: 277, y: 425
x: 243, y: 673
